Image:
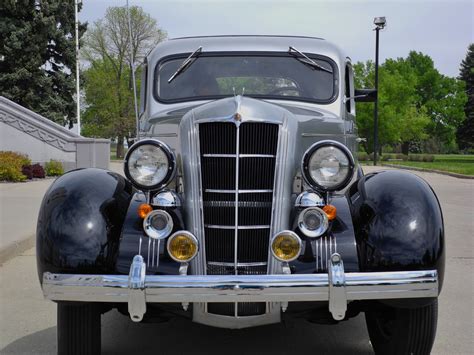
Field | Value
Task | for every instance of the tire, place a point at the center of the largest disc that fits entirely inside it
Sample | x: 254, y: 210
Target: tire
x: 395, y: 331
x: 79, y: 329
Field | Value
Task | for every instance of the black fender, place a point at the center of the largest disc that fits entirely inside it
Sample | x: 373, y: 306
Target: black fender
x: 80, y: 222
x: 398, y: 222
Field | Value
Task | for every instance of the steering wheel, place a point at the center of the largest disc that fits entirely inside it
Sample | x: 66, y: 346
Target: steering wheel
x: 286, y: 88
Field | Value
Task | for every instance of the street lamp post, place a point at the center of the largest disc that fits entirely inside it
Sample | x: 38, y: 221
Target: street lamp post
x: 78, y: 88
x: 132, y: 67
x: 380, y: 23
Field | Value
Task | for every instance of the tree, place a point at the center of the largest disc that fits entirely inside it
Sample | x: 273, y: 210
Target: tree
x: 416, y: 103
x: 399, y: 119
x: 110, y: 111
x: 38, y: 60
x: 442, y: 97
x: 465, y: 133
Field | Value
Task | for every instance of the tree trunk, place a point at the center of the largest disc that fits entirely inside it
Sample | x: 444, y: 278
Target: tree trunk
x: 405, y: 148
x: 120, y: 150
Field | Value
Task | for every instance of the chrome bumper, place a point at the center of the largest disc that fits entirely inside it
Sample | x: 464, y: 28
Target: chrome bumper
x: 337, y: 287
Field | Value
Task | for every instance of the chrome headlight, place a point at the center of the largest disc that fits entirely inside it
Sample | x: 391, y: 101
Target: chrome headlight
x: 149, y: 164
x: 158, y: 224
x: 328, y: 166
x: 313, y: 222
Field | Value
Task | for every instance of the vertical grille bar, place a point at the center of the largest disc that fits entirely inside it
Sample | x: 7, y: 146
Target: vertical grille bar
x: 236, y: 232
x: 236, y: 208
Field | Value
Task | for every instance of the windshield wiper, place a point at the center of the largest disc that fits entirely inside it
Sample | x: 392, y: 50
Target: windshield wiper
x: 307, y: 60
x: 186, y: 63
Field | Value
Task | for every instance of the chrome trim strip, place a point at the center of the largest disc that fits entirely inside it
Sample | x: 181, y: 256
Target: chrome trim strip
x: 148, y: 250
x: 240, y: 288
x: 279, y: 220
x: 153, y: 255
x: 154, y: 135
x: 240, y: 156
x: 238, y: 191
x: 218, y: 263
x: 252, y: 204
x: 257, y: 156
x: 216, y: 226
x: 308, y: 134
x: 198, y: 264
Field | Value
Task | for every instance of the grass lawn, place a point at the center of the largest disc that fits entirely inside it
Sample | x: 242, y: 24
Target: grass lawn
x: 113, y: 152
x: 461, y: 164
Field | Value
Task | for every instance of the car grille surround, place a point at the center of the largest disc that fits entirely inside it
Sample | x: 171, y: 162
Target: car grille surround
x: 237, y: 184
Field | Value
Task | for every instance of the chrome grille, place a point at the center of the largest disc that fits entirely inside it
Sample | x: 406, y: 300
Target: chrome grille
x: 237, y: 175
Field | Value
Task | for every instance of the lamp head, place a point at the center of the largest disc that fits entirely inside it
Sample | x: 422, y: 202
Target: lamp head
x: 380, y: 22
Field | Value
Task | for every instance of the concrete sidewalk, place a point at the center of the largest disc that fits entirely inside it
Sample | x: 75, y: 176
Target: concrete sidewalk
x: 19, y: 206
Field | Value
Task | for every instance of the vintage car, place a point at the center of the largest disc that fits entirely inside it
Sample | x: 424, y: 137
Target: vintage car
x: 243, y: 203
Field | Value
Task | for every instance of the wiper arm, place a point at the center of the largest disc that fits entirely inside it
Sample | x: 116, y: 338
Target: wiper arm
x: 307, y: 60
x: 186, y: 63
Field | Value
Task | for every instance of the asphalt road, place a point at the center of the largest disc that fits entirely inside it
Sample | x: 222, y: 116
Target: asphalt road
x: 28, y: 323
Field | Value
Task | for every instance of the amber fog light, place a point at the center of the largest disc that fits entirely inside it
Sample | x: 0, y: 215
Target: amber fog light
x: 182, y: 246
x: 158, y: 224
x: 313, y: 222
x: 286, y: 246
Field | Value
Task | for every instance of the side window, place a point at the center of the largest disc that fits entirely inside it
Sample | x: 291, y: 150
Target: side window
x: 143, y: 88
x: 349, y: 88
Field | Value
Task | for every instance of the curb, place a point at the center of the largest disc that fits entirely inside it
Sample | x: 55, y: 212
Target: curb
x: 13, y: 249
x: 459, y: 176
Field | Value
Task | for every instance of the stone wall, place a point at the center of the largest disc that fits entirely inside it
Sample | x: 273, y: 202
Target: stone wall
x: 24, y: 131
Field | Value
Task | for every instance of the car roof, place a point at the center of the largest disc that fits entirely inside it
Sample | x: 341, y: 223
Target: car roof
x: 246, y: 43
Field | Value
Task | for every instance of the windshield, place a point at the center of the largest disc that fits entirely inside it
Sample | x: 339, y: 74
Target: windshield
x: 277, y: 77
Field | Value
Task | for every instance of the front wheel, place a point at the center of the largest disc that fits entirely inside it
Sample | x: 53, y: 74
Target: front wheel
x: 394, y: 331
x: 79, y: 329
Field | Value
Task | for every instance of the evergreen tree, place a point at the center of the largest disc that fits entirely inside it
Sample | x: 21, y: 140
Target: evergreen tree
x: 466, y: 130
x: 37, y: 56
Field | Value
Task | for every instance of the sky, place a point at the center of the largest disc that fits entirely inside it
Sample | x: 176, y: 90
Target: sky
x: 441, y: 29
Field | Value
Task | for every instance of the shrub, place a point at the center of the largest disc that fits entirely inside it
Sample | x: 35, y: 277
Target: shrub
x: 38, y: 171
x: 33, y: 171
x: 421, y: 157
x: 54, y: 168
x: 362, y: 156
x: 27, y: 171
x: 11, y: 164
x: 402, y: 157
